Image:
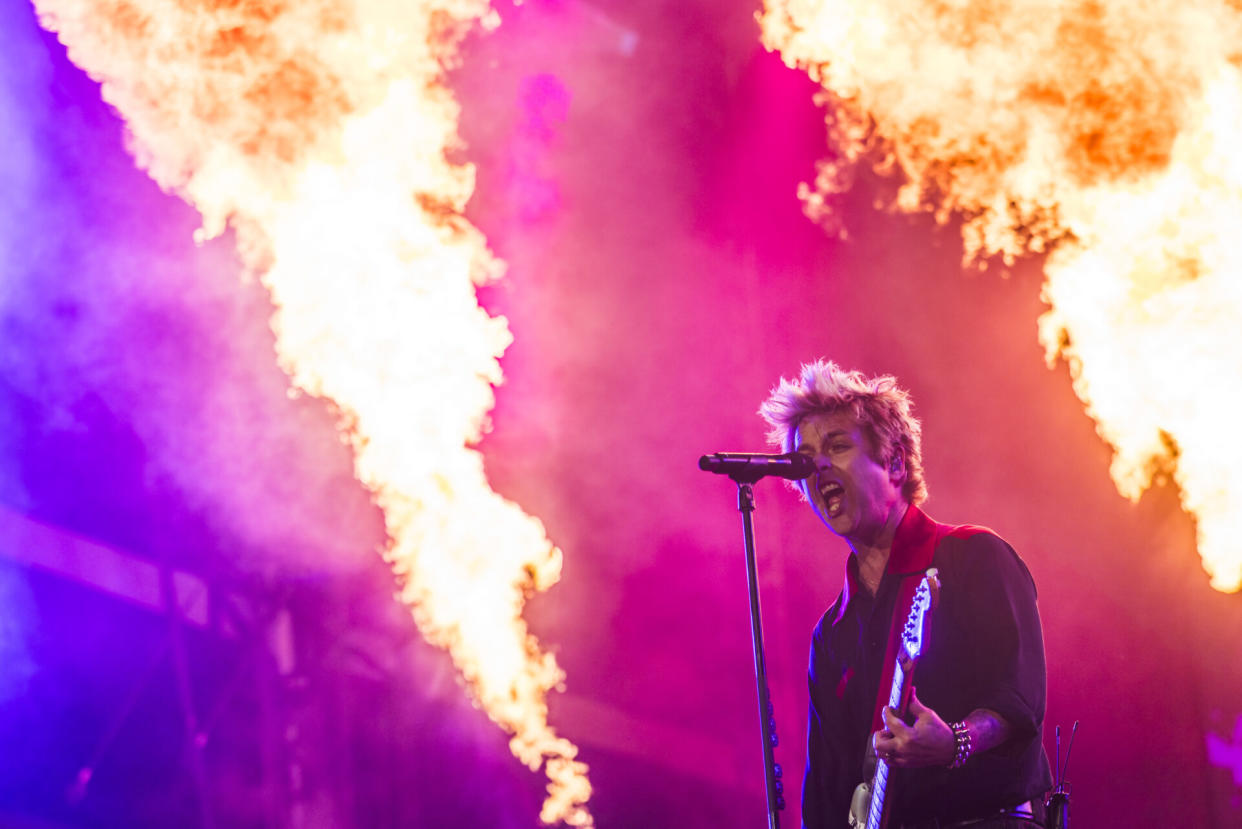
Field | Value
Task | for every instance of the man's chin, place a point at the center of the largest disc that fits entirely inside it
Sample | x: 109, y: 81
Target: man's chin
x: 840, y: 524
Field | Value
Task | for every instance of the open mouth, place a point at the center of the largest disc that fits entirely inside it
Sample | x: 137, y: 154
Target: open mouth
x: 832, y: 494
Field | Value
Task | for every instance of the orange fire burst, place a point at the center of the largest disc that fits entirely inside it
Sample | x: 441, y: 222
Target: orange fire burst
x: 1104, y: 132
x: 319, y: 130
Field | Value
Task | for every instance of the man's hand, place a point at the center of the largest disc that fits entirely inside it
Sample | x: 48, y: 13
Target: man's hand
x: 928, y: 742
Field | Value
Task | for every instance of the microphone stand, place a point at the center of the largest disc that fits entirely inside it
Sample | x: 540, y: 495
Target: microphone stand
x: 745, y: 480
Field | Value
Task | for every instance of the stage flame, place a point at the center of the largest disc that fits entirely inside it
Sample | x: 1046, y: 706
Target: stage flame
x: 321, y: 131
x: 1103, y: 132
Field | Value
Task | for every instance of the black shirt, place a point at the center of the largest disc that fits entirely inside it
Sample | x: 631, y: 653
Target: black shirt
x: 985, y: 650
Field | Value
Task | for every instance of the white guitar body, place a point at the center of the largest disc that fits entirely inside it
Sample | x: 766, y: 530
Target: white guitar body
x: 860, y: 804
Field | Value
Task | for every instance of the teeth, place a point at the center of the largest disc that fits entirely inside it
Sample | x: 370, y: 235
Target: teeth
x: 832, y: 493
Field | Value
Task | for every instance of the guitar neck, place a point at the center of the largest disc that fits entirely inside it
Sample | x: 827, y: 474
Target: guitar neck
x: 897, y: 699
x: 869, y: 800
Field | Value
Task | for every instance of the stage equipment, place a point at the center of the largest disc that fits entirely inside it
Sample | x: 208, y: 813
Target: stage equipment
x: 749, y: 467
x: 1059, y: 800
x: 745, y: 469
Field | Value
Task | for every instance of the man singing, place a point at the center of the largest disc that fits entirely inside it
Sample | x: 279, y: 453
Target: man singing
x: 970, y: 754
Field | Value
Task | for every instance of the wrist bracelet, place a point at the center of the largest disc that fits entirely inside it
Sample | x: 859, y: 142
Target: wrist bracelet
x: 962, y: 745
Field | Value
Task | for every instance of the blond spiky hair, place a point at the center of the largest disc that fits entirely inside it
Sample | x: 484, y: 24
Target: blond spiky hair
x: 878, y: 405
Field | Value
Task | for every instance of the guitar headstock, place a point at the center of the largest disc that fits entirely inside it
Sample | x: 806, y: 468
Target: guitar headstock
x: 926, y: 597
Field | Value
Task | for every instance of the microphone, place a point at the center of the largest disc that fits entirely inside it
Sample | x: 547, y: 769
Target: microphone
x: 750, y: 467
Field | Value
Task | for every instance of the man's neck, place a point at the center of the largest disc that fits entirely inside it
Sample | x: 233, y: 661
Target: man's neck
x: 873, y: 552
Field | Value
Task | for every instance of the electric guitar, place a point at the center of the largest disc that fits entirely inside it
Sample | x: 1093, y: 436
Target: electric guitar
x: 868, y: 809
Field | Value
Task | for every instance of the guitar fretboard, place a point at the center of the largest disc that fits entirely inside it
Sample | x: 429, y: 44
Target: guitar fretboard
x: 881, y: 770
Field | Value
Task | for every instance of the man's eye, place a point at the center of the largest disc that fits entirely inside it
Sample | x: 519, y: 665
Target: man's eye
x: 839, y: 447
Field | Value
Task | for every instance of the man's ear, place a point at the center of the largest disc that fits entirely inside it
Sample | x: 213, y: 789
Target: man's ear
x: 897, y: 466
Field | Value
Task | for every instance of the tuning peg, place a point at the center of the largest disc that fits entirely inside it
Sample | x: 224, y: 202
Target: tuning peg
x: 776, y: 770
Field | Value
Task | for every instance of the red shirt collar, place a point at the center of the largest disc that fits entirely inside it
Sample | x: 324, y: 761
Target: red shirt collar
x: 914, y: 544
